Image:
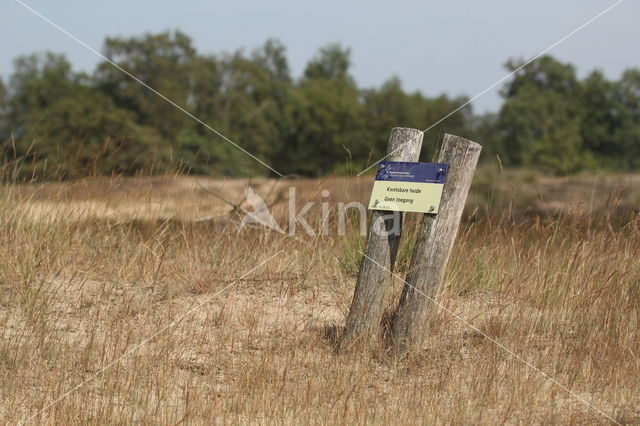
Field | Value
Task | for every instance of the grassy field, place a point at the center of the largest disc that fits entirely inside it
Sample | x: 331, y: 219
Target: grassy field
x: 96, y: 277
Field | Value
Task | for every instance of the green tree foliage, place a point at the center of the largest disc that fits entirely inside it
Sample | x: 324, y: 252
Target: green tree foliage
x: 3, y: 114
x: 38, y: 82
x: 163, y: 62
x: 254, y: 99
x: 552, y: 121
x: 57, y: 123
x: 245, y: 98
x: 611, y: 117
x: 3, y: 96
x: 483, y: 128
x: 391, y: 106
x: 327, y: 117
x: 86, y: 134
x: 541, y: 116
x: 628, y: 132
x: 66, y: 128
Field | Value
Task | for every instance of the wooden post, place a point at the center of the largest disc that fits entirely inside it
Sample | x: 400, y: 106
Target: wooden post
x: 365, y: 314
x: 436, y: 236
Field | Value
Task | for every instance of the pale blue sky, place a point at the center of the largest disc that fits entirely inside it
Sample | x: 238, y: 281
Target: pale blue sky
x: 457, y: 47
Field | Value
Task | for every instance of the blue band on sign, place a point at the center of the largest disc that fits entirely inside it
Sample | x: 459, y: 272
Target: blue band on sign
x: 401, y: 171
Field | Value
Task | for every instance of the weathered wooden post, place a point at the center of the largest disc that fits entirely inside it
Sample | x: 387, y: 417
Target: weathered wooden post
x: 374, y: 276
x: 436, y: 236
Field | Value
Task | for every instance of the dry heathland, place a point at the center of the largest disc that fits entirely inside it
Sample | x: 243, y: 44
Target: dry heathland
x: 89, y: 270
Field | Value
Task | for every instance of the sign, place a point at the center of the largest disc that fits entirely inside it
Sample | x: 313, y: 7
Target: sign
x: 408, y: 187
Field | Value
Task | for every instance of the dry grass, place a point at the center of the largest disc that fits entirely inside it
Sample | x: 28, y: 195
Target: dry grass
x: 90, y: 269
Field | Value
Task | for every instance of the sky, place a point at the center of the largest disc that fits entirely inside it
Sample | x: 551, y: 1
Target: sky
x: 453, y: 47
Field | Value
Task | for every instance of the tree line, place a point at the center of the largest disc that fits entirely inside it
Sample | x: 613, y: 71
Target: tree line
x: 59, y: 123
